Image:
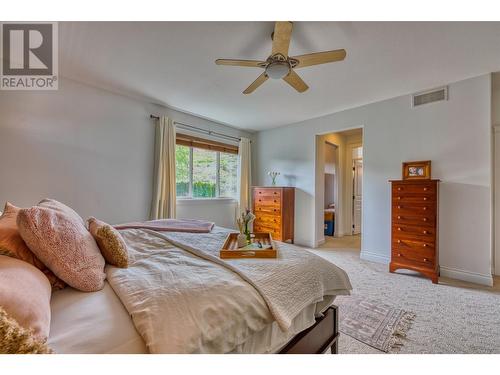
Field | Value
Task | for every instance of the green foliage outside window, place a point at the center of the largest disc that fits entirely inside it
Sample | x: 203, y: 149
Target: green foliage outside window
x: 205, y: 181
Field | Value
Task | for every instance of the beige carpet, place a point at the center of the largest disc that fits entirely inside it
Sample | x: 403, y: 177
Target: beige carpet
x: 451, y: 317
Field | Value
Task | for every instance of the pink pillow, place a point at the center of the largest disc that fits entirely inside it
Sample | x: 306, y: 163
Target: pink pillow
x: 61, y: 241
x: 25, y: 295
x: 61, y: 207
x: 12, y: 244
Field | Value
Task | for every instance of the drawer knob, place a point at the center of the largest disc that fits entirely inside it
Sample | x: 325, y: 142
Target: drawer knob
x: 260, y: 200
x: 425, y: 198
x: 399, y: 207
x: 426, y: 260
x: 399, y: 228
x: 399, y: 241
x: 425, y: 232
x: 275, y: 193
x: 275, y: 201
x: 399, y: 197
x: 399, y: 217
x: 260, y: 192
x: 425, y: 208
x: 425, y: 219
x: 399, y: 189
x: 399, y: 254
x: 425, y: 245
x: 425, y: 189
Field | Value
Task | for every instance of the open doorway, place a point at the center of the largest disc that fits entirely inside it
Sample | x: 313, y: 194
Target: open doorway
x: 339, y: 189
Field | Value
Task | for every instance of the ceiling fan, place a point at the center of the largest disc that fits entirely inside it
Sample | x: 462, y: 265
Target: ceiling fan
x: 281, y: 66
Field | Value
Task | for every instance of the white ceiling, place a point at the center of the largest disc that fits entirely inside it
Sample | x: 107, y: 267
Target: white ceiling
x: 172, y: 63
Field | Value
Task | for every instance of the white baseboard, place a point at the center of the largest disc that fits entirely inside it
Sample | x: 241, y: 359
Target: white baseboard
x: 472, y: 277
x: 304, y: 242
x: 374, y: 257
x: 452, y: 273
x: 320, y: 242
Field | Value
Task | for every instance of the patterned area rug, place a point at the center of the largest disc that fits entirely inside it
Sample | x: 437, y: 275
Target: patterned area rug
x: 373, y: 323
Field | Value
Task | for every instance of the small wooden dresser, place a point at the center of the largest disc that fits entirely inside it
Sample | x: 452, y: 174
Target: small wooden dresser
x: 274, y: 210
x: 415, y: 227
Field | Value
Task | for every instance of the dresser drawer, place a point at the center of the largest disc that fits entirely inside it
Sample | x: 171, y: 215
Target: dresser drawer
x: 419, y: 233
x: 420, y: 220
x: 275, y: 232
x: 425, y: 248
x: 413, y: 198
x: 275, y: 220
x: 267, y: 200
x: 270, y: 210
x: 414, y: 209
x: 416, y: 189
x: 410, y: 257
x: 267, y: 192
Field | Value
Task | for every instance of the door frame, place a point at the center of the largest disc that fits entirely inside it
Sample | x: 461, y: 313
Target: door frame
x: 350, y: 187
x: 360, y: 160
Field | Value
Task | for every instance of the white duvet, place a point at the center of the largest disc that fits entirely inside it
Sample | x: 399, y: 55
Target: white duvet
x: 183, y: 300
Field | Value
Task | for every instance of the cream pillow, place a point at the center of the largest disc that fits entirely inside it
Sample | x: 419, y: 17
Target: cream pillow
x: 112, y: 245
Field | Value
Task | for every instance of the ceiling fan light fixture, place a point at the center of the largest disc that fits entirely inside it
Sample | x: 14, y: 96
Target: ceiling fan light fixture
x: 278, y: 69
x: 279, y: 65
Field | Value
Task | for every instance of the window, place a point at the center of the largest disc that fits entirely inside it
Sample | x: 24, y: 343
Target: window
x: 182, y: 167
x: 205, y: 173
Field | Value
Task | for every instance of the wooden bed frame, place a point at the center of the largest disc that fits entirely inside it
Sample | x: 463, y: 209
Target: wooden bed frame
x: 318, y: 338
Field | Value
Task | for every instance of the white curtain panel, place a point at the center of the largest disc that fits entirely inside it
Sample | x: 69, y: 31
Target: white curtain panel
x: 244, y: 173
x: 164, y: 197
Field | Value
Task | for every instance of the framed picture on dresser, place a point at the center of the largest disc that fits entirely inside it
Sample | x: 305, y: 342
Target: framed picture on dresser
x: 417, y: 170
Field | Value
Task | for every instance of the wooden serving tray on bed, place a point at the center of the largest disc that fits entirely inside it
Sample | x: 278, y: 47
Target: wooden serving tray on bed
x: 230, y: 248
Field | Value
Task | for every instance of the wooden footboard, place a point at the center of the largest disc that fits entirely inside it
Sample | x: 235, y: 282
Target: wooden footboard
x: 318, y: 338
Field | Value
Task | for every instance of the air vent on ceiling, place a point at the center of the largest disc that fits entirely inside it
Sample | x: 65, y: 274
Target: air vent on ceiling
x: 431, y: 96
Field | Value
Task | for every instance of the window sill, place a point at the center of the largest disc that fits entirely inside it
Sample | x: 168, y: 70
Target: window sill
x: 189, y: 201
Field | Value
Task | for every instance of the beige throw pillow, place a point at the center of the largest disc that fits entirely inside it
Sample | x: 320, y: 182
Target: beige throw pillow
x: 112, y: 245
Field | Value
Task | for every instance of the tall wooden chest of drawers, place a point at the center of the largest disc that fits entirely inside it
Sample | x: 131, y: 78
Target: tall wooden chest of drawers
x: 274, y: 210
x: 415, y: 227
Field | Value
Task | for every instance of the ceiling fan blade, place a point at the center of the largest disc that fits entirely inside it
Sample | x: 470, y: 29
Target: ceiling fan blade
x: 247, y: 63
x: 281, y: 37
x: 259, y: 81
x: 295, y: 81
x: 320, y: 58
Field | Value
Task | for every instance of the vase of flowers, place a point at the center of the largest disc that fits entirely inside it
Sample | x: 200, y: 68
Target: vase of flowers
x: 243, y: 222
x: 273, y: 176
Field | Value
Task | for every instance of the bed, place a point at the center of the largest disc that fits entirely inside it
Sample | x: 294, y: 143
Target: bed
x: 175, y: 299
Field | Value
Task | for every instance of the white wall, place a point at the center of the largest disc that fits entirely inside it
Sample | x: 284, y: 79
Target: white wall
x: 330, y: 158
x: 221, y: 211
x: 495, y: 120
x: 89, y: 148
x: 454, y: 134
